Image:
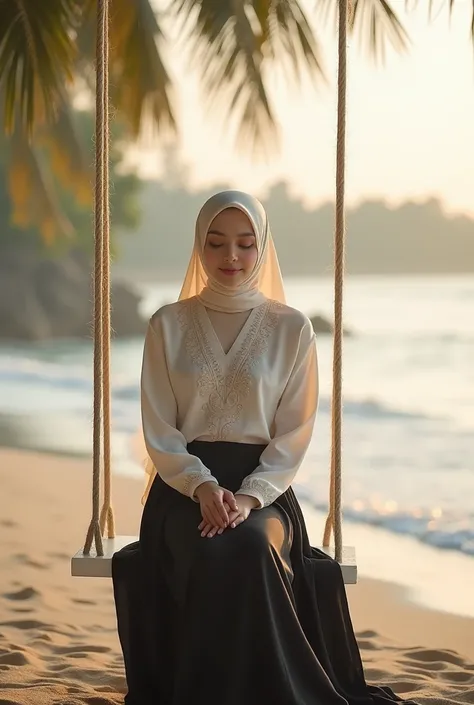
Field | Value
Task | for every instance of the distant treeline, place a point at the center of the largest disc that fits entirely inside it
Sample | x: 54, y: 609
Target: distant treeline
x: 408, y: 239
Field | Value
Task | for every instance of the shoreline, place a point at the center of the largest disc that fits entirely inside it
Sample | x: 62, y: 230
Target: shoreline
x: 429, y: 577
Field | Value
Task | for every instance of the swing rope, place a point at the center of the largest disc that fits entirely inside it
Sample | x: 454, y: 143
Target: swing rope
x: 102, y: 327
x: 101, y: 404
x: 334, y: 518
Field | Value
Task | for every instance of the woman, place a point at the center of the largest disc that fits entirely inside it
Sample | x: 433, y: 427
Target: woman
x: 223, y: 601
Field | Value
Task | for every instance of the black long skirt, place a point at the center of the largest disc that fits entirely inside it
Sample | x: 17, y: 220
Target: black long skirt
x: 254, y: 616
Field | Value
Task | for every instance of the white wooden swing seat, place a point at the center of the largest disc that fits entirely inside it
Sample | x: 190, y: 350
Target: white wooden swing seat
x: 86, y: 562
x: 94, y: 566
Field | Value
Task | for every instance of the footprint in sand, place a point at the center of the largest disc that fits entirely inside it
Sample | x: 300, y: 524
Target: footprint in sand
x: 43, y: 637
x: 28, y: 624
x: 367, y: 634
x: 26, y: 593
x: 92, y: 676
x: 375, y: 675
x: 59, y: 555
x: 22, y: 610
x: 14, y: 658
x: 459, y: 676
x: 404, y: 686
x: 420, y: 673
x: 431, y: 655
x: 25, y: 559
x: 430, y: 669
x: 82, y: 648
x: 58, y: 667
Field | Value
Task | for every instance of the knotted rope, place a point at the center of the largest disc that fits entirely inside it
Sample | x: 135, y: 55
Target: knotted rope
x: 334, y: 519
x: 101, y: 405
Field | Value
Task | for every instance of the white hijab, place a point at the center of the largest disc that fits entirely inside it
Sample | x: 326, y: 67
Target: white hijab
x: 264, y: 282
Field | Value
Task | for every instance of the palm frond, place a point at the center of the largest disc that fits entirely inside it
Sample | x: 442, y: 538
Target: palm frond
x: 229, y: 55
x: 286, y: 35
x: 451, y: 4
x: 234, y: 44
x: 140, y: 85
x: 69, y: 152
x: 375, y: 22
x: 32, y: 195
x: 36, y: 57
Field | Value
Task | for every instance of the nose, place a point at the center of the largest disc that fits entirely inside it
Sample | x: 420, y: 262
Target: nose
x: 231, y: 255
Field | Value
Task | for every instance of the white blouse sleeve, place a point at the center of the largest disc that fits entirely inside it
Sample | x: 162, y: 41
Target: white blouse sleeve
x: 165, y: 444
x: 292, y: 428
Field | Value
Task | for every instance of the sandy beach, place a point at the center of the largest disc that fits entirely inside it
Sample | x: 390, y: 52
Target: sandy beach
x: 58, y: 642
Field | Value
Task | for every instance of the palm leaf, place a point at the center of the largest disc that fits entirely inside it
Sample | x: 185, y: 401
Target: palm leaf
x: 451, y: 4
x: 376, y: 23
x: 36, y: 54
x: 69, y: 152
x: 287, y: 35
x: 234, y: 44
x: 140, y: 86
x: 32, y: 194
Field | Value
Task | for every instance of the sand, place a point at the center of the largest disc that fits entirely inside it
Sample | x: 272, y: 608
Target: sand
x: 58, y: 641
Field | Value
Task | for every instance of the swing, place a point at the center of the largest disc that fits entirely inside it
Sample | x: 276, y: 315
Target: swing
x: 96, y: 562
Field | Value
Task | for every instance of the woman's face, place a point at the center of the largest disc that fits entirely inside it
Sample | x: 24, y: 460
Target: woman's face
x: 230, y: 252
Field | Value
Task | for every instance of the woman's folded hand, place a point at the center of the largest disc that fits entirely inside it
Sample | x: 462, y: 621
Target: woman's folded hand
x: 211, y: 498
x: 235, y: 516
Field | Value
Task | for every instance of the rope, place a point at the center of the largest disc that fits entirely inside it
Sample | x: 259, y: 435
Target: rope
x: 334, y: 519
x: 107, y: 514
x: 101, y: 404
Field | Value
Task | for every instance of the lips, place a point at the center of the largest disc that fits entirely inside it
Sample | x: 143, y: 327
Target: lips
x: 230, y: 272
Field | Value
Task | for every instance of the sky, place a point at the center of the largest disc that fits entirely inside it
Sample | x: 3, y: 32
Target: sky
x: 410, y: 123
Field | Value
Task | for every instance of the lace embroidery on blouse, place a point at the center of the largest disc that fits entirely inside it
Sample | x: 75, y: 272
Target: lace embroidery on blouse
x: 193, y: 477
x: 225, y: 393
x: 260, y: 489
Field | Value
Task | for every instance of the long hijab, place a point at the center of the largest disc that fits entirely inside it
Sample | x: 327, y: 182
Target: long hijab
x: 264, y: 282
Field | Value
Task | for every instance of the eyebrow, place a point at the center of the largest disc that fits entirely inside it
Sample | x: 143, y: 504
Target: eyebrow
x: 218, y: 232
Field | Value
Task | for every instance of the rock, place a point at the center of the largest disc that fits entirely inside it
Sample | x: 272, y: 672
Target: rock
x: 62, y: 289
x: 44, y: 297
x: 21, y: 315
x: 324, y: 326
x: 126, y: 320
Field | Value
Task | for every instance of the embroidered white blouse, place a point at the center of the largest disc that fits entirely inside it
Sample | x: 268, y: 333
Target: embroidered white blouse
x: 263, y: 390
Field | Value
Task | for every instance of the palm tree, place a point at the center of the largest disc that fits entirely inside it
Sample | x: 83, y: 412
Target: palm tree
x: 47, y: 57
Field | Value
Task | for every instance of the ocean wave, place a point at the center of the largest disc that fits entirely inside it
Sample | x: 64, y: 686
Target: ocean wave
x: 58, y: 376
x: 432, y: 337
x: 27, y: 371
x: 371, y: 409
x: 429, y: 526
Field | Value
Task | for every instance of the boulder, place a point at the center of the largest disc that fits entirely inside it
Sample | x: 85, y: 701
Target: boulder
x: 126, y: 320
x: 323, y: 325
x: 44, y: 297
